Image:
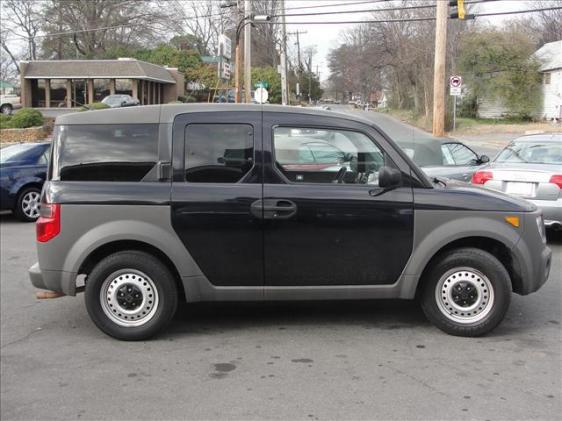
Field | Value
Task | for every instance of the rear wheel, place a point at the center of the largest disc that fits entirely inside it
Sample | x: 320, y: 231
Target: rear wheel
x: 131, y: 295
x: 467, y: 292
x: 28, y: 204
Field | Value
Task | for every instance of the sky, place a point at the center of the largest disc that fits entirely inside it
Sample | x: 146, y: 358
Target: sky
x: 326, y: 37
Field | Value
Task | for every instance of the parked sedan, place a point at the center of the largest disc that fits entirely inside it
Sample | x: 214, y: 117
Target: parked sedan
x: 447, y: 158
x: 23, y: 168
x: 116, y: 101
x: 529, y: 167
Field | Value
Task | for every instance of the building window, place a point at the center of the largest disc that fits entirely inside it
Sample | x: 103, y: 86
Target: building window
x: 79, y: 94
x: 101, y: 89
x: 123, y: 86
x: 546, y: 78
x: 58, y: 93
x: 38, y: 93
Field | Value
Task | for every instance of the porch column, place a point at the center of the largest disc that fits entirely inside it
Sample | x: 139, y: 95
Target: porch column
x: 149, y: 92
x: 69, y: 93
x: 47, y: 93
x: 90, y: 91
x: 111, y: 86
x: 135, y: 88
x: 141, y: 88
x: 159, y: 93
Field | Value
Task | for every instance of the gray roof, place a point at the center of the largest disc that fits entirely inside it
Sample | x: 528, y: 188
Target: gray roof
x: 97, y: 69
x: 550, y: 56
x: 167, y: 112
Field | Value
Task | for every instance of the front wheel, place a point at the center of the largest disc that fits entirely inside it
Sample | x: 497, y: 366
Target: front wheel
x: 6, y: 109
x: 131, y: 295
x: 467, y: 292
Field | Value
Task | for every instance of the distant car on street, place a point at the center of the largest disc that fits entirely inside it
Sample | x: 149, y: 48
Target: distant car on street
x: 529, y: 167
x: 23, y: 169
x: 9, y: 103
x: 447, y: 158
x: 116, y: 101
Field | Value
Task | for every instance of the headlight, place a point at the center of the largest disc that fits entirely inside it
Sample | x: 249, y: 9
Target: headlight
x: 540, y: 226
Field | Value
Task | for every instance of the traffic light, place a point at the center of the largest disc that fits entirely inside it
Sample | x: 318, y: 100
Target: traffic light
x: 457, y: 9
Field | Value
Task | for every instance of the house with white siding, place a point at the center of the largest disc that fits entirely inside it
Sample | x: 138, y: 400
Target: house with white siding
x: 550, y: 57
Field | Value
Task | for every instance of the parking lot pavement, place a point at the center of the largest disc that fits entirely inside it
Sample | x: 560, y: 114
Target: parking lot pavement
x: 328, y: 360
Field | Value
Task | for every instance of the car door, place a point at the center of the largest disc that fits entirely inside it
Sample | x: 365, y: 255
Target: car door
x: 217, y: 178
x: 321, y: 232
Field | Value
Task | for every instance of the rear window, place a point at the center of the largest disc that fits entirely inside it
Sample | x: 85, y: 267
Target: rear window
x: 111, y: 152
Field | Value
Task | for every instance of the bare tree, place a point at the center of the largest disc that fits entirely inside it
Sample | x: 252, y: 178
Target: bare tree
x: 547, y: 23
x: 21, y: 19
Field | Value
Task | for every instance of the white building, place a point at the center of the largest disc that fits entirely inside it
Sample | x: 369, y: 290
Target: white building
x: 550, y: 55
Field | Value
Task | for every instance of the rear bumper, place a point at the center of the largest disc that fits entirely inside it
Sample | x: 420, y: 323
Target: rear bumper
x: 53, y: 280
x: 552, y: 212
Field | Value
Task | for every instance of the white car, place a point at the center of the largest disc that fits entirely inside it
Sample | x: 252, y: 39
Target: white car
x: 9, y: 103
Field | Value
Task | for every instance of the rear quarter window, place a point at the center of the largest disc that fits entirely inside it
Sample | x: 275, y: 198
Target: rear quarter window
x: 111, y: 152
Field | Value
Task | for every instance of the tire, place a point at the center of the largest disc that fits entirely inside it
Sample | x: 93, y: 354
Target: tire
x: 27, y: 204
x: 6, y: 109
x: 112, y: 295
x: 466, y: 292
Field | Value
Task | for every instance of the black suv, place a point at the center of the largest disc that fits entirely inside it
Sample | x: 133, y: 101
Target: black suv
x: 247, y: 202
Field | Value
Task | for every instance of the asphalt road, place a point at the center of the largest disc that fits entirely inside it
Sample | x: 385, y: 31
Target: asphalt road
x: 333, y: 360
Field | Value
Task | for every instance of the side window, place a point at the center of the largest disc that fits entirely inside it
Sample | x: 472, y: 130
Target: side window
x: 105, y: 152
x: 447, y: 155
x: 218, y: 153
x: 44, y: 158
x: 334, y: 156
x: 461, y: 154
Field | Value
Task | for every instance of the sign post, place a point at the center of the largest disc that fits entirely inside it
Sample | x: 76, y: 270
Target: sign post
x: 455, y: 90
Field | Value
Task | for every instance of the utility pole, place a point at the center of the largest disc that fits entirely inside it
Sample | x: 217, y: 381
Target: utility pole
x: 310, y: 77
x: 248, y: 53
x: 237, y: 57
x: 297, y: 33
x: 439, y: 68
x: 284, y: 85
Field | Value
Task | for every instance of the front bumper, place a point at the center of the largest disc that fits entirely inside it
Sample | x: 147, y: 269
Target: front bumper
x: 53, y: 280
x: 532, y: 258
x: 552, y: 212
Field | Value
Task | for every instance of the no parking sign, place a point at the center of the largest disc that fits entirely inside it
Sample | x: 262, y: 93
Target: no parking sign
x: 455, y: 85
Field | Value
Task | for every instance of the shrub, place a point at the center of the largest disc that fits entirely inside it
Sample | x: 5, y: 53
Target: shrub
x: 190, y: 99
x: 26, y: 117
x: 5, y: 121
x: 94, y: 106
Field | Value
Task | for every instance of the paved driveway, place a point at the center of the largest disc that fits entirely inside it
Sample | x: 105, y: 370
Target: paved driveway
x: 359, y: 360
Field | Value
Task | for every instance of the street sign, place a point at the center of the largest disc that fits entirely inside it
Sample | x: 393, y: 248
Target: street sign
x: 455, y: 91
x: 225, y: 46
x: 262, y: 84
x: 225, y: 70
x: 455, y: 85
x: 261, y: 95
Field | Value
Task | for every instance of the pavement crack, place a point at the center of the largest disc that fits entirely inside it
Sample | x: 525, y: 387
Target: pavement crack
x: 24, y: 338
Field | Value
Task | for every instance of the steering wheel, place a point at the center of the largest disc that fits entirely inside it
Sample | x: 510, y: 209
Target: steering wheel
x: 340, y: 175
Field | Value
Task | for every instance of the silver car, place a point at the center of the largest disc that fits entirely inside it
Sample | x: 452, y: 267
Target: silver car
x: 529, y: 167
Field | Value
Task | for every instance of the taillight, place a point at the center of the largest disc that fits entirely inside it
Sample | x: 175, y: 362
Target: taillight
x: 48, y: 224
x: 480, y: 177
x: 556, y: 179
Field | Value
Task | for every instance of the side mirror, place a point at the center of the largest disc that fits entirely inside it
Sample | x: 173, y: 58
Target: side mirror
x: 389, y: 178
x: 484, y: 159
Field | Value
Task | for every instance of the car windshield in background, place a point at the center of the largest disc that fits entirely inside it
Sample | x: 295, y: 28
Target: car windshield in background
x: 115, y: 100
x: 531, y: 153
x: 14, y: 153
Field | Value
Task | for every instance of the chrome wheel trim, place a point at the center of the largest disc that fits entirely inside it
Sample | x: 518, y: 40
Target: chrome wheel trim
x: 137, y: 286
x: 464, y: 295
x: 30, y: 204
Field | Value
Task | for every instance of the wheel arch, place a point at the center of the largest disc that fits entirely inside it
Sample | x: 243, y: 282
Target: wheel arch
x: 491, y: 245
x: 18, y: 188
x: 104, y: 250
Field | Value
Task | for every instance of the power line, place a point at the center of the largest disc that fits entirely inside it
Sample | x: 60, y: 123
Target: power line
x: 514, y: 12
x: 336, y: 4
x: 357, y: 11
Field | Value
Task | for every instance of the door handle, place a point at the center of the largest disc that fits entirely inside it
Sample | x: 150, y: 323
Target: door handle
x: 273, y: 209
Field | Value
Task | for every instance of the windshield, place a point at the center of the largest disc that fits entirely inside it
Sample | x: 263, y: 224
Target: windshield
x: 14, y: 153
x: 532, y: 153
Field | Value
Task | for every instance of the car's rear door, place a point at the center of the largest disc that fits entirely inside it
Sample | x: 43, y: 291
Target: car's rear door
x: 318, y: 232
x: 217, y: 178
